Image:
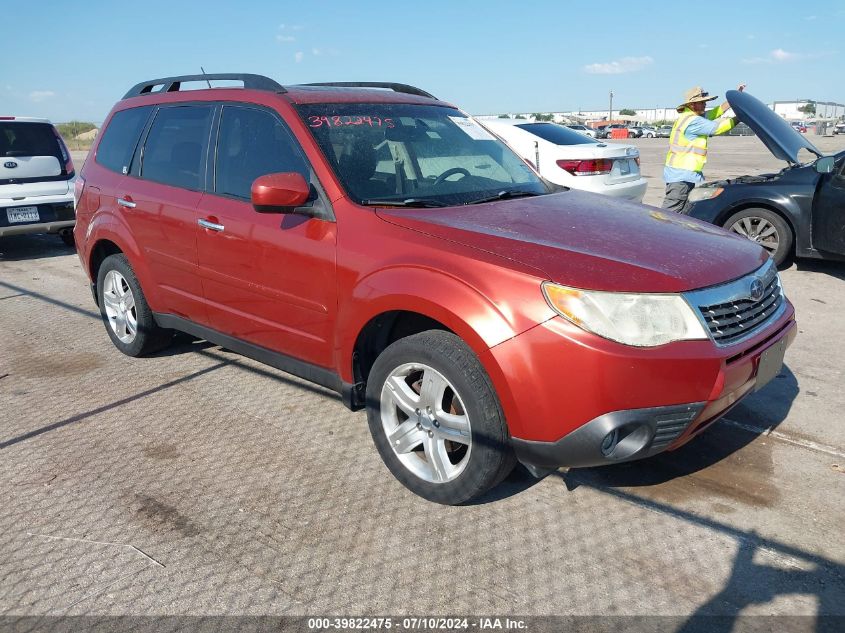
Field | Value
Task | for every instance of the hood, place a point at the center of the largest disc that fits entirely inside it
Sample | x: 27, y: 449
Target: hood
x: 594, y: 242
x: 779, y: 136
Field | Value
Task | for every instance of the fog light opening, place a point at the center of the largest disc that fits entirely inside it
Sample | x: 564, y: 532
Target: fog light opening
x: 609, y: 443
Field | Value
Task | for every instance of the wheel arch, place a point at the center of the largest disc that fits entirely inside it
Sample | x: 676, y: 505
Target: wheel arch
x: 395, y: 303
x: 105, y: 242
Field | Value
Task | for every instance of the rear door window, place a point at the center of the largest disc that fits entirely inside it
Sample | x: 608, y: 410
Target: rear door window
x: 176, y: 146
x: 253, y: 143
x: 120, y: 138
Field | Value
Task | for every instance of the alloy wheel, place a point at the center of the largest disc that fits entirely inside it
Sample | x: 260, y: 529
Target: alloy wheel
x: 758, y: 230
x: 426, y: 423
x: 119, y: 303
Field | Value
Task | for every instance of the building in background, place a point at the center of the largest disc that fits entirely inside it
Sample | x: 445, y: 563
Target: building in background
x: 789, y: 110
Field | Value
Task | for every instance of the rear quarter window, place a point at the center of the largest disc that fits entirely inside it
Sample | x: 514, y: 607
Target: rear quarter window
x: 120, y: 137
x: 556, y: 134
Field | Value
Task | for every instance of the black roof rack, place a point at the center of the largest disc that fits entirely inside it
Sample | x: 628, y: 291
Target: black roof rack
x: 172, y: 84
x: 404, y: 88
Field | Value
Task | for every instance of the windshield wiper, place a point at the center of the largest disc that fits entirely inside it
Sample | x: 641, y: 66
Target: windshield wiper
x: 504, y: 195
x: 408, y: 202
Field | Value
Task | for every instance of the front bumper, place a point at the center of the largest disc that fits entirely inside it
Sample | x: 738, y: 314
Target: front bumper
x: 563, y: 391
x: 633, y: 434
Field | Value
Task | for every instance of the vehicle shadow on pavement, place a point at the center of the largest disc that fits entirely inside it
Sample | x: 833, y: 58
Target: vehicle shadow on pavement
x: 23, y: 247
x: 762, y: 570
x: 831, y: 268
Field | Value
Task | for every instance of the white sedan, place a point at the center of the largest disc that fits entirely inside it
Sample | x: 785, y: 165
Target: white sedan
x: 568, y: 158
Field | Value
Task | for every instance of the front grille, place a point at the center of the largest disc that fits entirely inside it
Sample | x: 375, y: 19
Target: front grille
x: 729, y: 311
x: 670, y: 426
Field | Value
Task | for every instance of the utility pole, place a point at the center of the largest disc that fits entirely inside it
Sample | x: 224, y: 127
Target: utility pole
x: 610, y: 110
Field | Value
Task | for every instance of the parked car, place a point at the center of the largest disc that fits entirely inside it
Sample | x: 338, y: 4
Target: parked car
x: 381, y: 243
x: 36, y: 179
x: 664, y: 131
x: 607, y: 131
x: 635, y: 131
x: 798, y: 126
x: 839, y: 128
x: 799, y: 210
x: 583, y: 129
x: 566, y: 157
x: 649, y: 132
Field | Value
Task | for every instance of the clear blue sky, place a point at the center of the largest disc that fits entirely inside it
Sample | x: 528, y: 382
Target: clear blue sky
x: 74, y: 60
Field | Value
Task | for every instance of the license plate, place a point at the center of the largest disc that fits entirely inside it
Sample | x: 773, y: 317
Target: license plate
x: 22, y: 214
x: 770, y: 364
x: 624, y: 167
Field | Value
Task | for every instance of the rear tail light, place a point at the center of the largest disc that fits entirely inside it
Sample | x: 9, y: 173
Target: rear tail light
x: 78, y: 188
x: 68, y: 168
x: 591, y: 167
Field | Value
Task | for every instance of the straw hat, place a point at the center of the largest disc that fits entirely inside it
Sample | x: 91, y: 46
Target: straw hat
x: 694, y: 95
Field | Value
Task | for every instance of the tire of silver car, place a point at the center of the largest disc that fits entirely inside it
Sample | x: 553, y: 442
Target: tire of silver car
x: 124, y: 309
x: 436, y: 420
x: 766, y: 228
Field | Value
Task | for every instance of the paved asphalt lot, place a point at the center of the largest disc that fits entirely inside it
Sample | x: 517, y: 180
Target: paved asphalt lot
x: 200, y: 482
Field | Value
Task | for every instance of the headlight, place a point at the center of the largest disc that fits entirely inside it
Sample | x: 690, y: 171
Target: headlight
x: 642, y: 320
x: 704, y: 193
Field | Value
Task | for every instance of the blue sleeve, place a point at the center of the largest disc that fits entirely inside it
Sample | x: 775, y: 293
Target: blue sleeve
x: 700, y: 126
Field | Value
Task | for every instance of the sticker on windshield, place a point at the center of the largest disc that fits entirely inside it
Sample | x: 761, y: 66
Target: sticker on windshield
x: 472, y: 129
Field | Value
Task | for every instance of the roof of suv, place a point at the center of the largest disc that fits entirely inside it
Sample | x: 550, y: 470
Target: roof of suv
x: 333, y: 92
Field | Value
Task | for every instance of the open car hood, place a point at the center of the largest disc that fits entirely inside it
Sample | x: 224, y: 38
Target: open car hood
x: 781, y: 139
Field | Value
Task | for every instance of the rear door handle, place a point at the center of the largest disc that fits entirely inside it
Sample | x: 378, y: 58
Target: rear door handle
x: 211, y: 225
x: 126, y: 202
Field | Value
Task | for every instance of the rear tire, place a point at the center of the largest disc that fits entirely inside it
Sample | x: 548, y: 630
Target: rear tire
x: 423, y: 390
x: 765, y: 227
x: 127, y: 316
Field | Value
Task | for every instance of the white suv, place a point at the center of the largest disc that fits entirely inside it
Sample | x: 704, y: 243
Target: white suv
x: 36, y: 179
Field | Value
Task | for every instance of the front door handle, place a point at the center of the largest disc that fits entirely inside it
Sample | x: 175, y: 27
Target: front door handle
x: 126, y: 203
x: 212, y: 226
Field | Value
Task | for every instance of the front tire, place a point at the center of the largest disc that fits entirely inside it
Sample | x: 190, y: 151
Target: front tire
x: 766, y: 228
x: 124, y: 309
x: 435, y: 418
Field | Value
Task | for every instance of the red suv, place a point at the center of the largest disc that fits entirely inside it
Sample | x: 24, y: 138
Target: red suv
x: 379, y: 242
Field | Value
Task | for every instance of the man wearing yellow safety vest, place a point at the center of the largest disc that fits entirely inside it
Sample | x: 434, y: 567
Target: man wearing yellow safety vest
x: 688, y: 146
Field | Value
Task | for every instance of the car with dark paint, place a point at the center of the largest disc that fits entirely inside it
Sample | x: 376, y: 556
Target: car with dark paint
x: 36, y: 179
x: 798, y: 211
x: 379, y: 242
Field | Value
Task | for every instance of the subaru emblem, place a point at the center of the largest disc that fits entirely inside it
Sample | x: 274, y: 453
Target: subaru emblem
x: 756, y: 290
x: 10, y: 164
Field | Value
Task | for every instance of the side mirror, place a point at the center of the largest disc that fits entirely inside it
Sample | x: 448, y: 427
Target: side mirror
x: 279, y: 193
x: 824, y: 165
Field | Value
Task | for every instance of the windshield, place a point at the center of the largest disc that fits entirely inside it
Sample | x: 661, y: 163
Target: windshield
x: 416, y: 154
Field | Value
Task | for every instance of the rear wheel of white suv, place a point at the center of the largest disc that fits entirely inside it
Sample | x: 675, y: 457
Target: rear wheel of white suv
x: 124, y: 309
x: 436, y: 420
